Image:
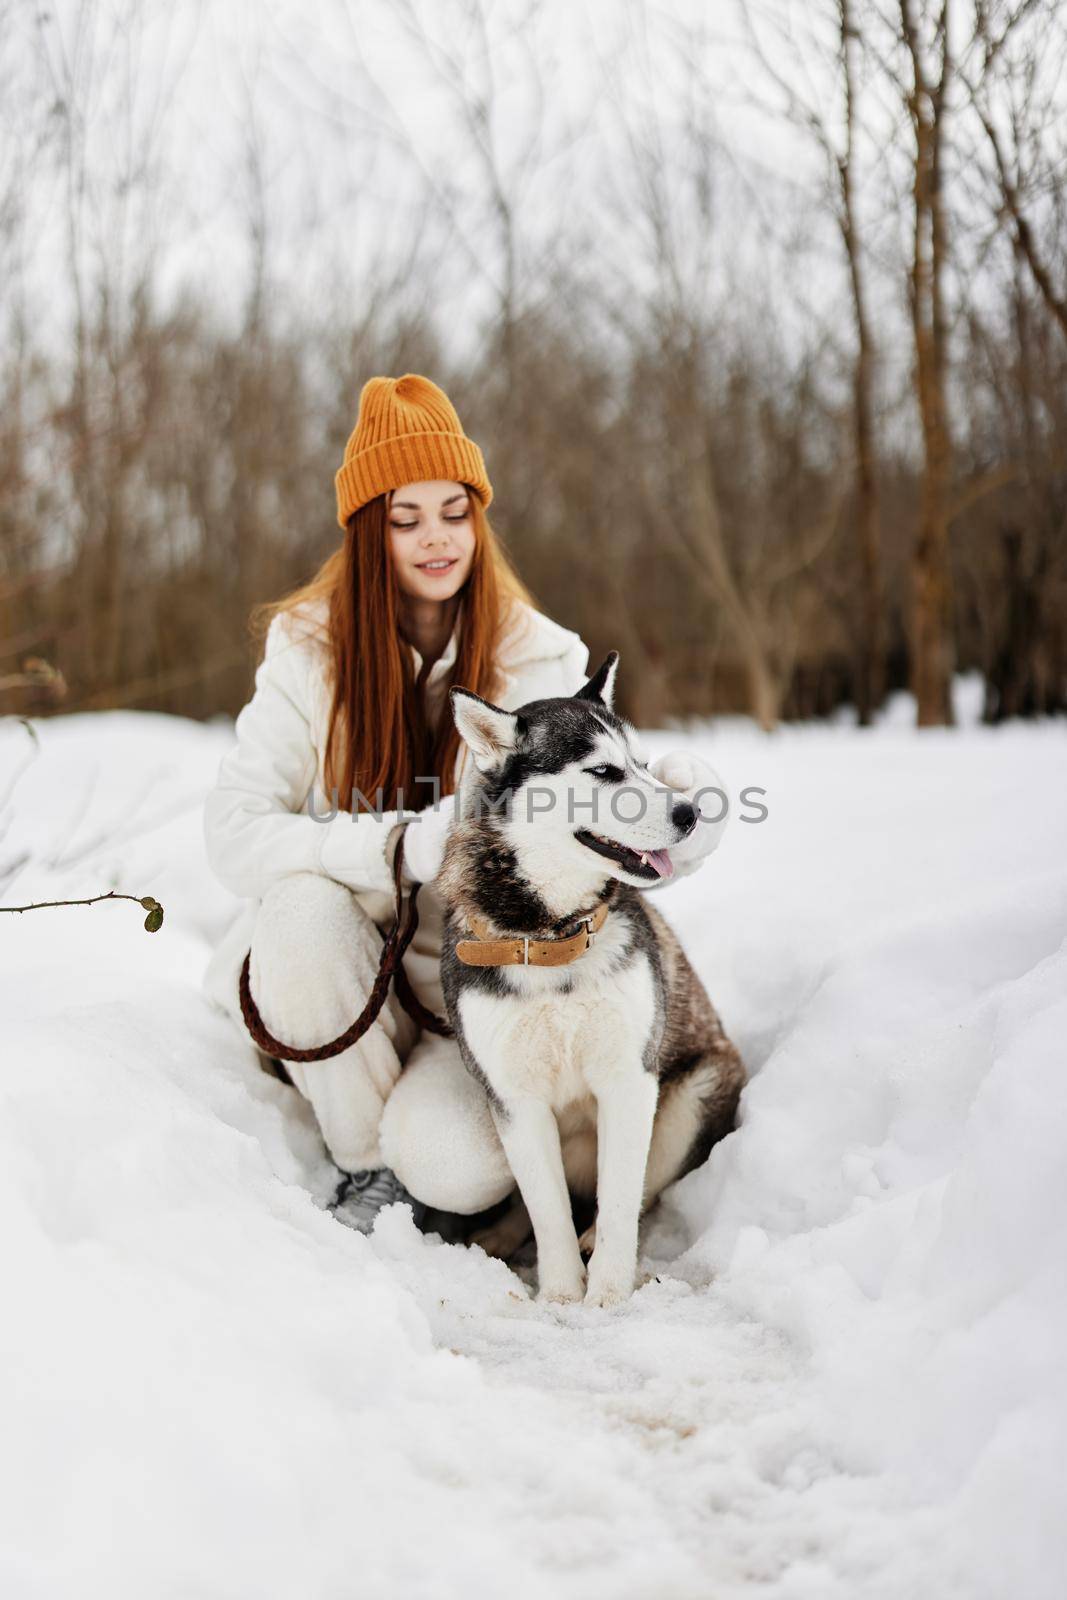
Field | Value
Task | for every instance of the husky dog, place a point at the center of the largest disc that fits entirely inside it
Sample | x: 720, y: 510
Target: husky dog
x: 609, y: 1075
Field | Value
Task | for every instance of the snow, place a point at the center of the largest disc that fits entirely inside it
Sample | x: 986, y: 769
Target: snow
x: 844, y: 1376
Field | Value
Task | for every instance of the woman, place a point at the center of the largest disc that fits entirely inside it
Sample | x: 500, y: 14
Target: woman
x: 346, y: 732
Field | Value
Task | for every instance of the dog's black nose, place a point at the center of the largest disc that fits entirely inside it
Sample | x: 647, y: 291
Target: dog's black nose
x: 684, y: 816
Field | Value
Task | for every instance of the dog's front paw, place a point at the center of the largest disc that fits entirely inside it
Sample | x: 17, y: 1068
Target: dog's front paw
x: 609, y: 1283
x: 561, y: 1286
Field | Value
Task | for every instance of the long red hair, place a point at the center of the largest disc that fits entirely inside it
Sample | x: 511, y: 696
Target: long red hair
x: 378, y: 737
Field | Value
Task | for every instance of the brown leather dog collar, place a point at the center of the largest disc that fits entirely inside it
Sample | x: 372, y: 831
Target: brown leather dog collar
x: 483, y: 951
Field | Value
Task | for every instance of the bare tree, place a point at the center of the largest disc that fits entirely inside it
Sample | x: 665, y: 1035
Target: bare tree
x: 924, y: 27
x: 1012, y: 77
x: 823, y: 102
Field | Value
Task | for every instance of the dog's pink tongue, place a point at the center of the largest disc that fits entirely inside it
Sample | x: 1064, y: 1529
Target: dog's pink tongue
x: 662, y: 862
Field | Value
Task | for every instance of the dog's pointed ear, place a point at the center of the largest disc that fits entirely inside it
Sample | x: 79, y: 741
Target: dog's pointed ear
x: 491, y: 733
x: 601, y: 685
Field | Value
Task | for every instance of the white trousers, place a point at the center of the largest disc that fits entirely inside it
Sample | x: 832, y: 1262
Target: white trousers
x: 397, y: 1097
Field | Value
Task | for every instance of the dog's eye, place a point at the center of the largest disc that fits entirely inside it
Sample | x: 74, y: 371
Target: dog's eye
x: 608, y: 773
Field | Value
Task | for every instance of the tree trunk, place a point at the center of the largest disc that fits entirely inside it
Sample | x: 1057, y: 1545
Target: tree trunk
x: 870, y: 686
x: 933, y: 656
x: 764, y: 698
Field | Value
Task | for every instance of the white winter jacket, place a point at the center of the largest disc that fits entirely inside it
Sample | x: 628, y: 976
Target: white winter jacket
x: 257, y: 827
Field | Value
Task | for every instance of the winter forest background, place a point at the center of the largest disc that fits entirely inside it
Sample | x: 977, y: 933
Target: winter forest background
x: 759, y: 312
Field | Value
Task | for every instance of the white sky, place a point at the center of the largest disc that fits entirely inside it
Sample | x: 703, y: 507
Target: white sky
x: 298, y: 115
x: 326, y: 124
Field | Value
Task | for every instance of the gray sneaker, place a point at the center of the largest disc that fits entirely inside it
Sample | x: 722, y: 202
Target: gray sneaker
x: 361, y: 1195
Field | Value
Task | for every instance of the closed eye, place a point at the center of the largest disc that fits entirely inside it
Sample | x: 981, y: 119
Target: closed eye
x: 405, y: 527
x: 609, y: 773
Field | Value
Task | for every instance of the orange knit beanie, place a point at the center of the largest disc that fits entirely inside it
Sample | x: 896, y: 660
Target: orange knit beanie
x: 407, y: 431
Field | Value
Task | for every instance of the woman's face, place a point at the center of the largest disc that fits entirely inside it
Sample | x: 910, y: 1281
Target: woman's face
x: 431, y: 538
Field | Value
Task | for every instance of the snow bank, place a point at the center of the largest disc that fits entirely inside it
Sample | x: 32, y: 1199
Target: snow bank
x: 843, y: 1378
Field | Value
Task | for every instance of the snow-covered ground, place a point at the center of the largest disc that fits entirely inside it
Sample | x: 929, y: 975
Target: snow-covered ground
x: 846, y: 1375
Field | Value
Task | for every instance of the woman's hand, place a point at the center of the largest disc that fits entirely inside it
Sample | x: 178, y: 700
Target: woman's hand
x: 699, y: 783
x: 425, y: 837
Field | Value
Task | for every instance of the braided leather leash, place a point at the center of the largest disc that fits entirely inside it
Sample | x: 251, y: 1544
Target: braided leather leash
x: 390, y: 968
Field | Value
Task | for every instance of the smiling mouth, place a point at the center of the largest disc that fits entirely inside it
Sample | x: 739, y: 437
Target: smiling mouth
x: 439, y: 564
x: 650, y: 864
